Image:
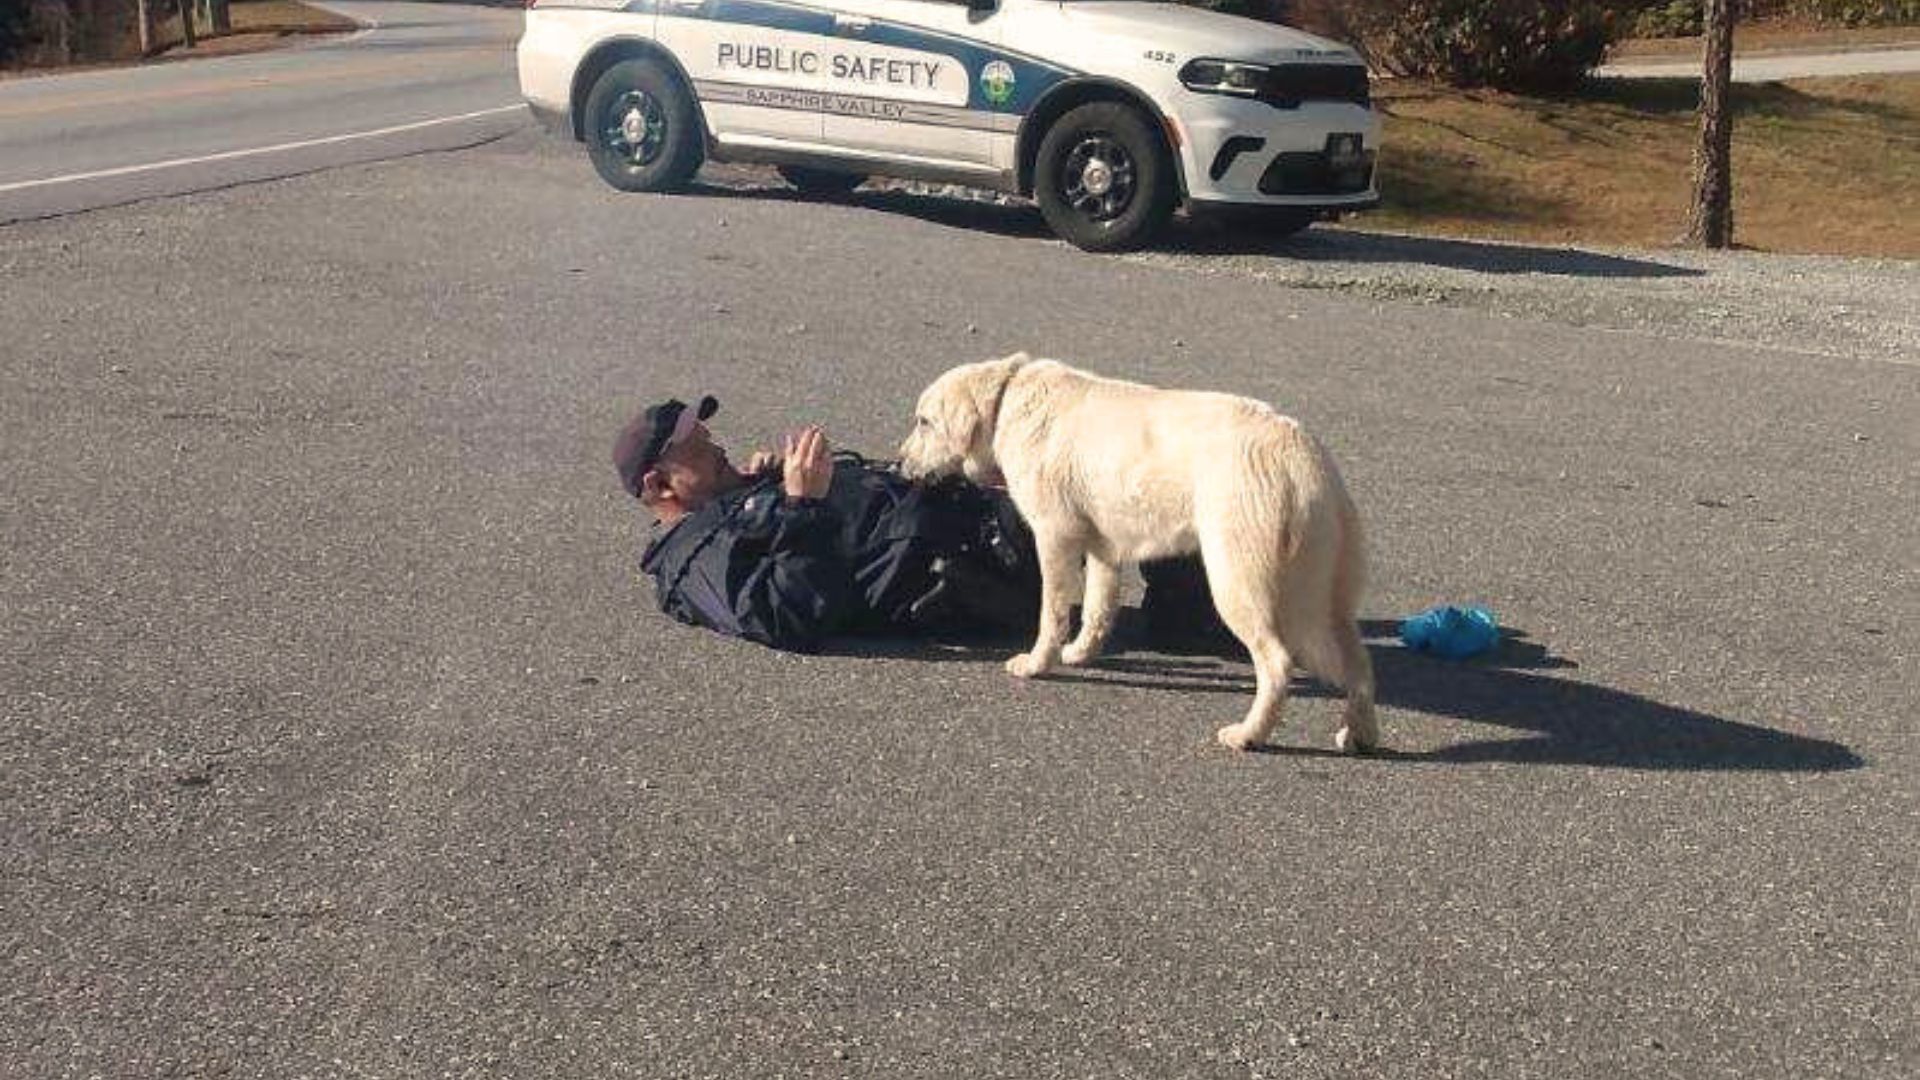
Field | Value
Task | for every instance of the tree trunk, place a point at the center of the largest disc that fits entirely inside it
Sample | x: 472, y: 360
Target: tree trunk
x: 145, y: 17
x: 186, y: 22
x: 1710, y: 222
x: 219, y: 17
x: 50, y: 37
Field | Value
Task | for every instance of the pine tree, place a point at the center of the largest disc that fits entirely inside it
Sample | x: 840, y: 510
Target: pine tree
x: 1710, y: 221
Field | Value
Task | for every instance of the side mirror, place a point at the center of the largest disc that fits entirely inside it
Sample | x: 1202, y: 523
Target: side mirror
x: 981, y: 7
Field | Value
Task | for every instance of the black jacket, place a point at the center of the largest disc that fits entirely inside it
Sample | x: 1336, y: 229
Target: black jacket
x: 788, y: 572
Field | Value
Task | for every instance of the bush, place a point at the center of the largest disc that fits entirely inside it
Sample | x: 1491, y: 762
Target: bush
x: 1861, y: 12
x: 1674, y: 18
x: 1681, y: 18
x: 1507, y: 44
x: 50, y: 33
x: 1510, y: 44
x: 13, y: 28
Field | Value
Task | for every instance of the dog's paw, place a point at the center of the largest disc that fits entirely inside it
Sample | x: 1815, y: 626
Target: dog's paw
x: 1345, y: 742
x: 1024, y: 666
x: 1234, y: 737
x: 1076, y: 653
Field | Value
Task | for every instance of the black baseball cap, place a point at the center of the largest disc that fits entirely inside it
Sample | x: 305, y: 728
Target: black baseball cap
x: 650, y: 432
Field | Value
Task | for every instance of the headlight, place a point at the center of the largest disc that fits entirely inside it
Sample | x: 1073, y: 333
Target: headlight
x: 1224, y: 77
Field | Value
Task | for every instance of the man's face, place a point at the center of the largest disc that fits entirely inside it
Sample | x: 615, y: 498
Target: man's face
x: 696, y: 469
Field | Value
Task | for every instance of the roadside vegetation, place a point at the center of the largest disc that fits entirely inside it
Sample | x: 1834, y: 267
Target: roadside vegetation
x: 61, y: 34
x: 1823, y: 166
x: 1772, y: 36
x: 1534, y: 45
x: 1495, y: 129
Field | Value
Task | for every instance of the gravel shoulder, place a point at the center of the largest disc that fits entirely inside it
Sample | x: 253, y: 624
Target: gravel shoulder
x: 1858, y: 308
x: 1821, y: 305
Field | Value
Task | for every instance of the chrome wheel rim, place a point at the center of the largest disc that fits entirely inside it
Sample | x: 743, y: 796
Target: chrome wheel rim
x: 636, y: 128
x: 1099, y: 178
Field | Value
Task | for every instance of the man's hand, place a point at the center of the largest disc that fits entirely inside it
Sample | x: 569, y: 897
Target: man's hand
x: 762, y: 461
x: 807, y: 464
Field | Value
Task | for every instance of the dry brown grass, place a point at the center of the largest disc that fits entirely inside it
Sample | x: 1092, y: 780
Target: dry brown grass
x: 1829, y: 165
x: 256, y: 15
x: 259, y: 24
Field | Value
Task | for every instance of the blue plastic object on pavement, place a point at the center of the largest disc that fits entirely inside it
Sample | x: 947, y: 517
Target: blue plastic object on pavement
x: 1451, y: 631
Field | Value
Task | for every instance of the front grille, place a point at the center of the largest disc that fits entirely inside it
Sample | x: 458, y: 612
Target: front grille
x: 1310, y: 173
x: 1290, y: 84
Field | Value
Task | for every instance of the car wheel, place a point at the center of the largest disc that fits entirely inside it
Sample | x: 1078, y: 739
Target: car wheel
x: 643, y: 131
x: 820, y: 181
x: 1103, y: 179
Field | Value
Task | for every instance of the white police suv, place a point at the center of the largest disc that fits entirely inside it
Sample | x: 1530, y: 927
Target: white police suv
x: 1106, y: 112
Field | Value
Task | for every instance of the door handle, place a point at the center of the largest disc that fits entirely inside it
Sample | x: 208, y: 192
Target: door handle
x: 855, y: 23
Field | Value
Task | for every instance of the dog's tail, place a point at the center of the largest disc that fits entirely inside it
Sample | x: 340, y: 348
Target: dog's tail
x: 1311, y: 486
x: 1324, y: 557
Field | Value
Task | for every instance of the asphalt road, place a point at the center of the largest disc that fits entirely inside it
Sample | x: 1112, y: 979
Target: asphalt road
x: 341, y: 738
x: 420, y: 77
x: 1763, y: 67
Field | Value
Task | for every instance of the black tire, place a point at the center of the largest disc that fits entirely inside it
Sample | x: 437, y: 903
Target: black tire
x: 643, y: 131
x: 814, y: 181
x: 1111, y: 142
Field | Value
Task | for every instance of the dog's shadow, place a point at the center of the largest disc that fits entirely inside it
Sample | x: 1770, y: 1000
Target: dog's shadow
x: 1565, y: 722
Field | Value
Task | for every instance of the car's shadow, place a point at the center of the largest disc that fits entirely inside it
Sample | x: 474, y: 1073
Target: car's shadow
x: 1016, y: 219
x: 1230, y: 237
x: 1348, y: 245
x: 1563, y: 722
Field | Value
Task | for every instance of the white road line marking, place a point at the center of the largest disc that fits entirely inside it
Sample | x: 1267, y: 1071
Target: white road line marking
x: 229, y: 155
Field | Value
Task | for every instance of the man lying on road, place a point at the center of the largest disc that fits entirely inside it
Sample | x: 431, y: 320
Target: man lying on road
x: 806, y: 544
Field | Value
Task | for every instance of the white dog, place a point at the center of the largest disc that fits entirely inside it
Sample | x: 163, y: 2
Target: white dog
x: 1109, y: 473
